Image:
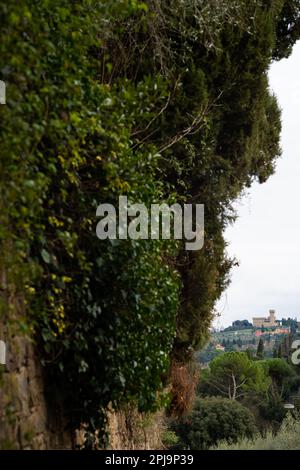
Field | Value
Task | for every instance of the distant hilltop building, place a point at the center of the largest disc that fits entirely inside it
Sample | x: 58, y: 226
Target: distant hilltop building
x: 269, y: 322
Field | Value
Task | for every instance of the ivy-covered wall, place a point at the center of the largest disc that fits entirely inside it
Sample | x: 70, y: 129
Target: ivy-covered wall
x: 27, y: 420
x: 161, y: 101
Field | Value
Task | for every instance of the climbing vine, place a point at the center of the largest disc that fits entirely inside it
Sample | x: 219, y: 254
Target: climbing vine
x: 157, y: 100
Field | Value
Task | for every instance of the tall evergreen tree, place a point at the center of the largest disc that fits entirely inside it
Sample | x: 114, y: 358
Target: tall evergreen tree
x: 260, y: 349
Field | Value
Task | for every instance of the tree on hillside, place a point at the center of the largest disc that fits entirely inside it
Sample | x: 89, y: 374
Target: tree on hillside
x: 239, y: 325
x: 286, y: 345
x: 260, y: 349
x: 292, y: 323
x: 280, y: 372
x: 233, y: 375
x: 275, y: 352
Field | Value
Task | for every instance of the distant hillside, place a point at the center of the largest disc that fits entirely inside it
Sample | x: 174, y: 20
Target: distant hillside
x: 247, y: 339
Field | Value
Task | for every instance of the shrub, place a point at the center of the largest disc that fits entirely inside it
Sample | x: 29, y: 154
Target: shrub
x: 287, y: 438
x: 214, y: 419
x: 169, y: 439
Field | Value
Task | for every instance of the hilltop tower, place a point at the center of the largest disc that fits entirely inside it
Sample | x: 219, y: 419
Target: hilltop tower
x: 269, y: 322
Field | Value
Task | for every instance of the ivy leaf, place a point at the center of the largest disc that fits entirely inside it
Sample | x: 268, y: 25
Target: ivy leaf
x: 45, y: 255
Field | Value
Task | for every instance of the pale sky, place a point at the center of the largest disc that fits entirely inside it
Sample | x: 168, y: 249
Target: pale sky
x: 266, y: 237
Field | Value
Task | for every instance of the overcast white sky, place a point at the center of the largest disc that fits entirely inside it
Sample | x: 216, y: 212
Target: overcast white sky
x: 266, y: 237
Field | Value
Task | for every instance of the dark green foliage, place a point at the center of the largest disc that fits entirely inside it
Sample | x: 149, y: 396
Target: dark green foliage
x: 161, y: 101
x: 212, y: 420
x: 239, y: 325
x: 237, y: 140
x: 280, y: 372
x: 288, y: 28
x: 234, y: 375
x: 207, y: 354
x: 103, y: 313
x: 218, y: 130
x: 260, y: 349
x: 261, y: 386
x: 285, y: 381
x: 285, y: 346
x: 292, y: 323
x: 250, y: 353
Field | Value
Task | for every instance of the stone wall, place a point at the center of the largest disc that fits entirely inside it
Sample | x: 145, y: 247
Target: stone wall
x: 29, y: 419
x: 26, y: 419
x: 130, y: 430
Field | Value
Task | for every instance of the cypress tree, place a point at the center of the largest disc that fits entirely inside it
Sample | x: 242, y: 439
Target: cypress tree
x: 260, y: 349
